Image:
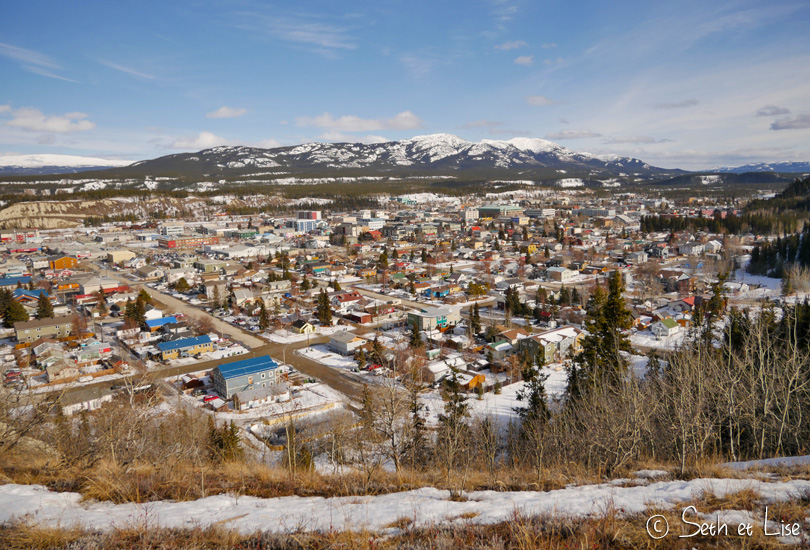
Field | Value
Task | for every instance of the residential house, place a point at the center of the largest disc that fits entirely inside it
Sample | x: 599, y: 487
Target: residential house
x: 247, y: 374
x: 54, y: 327
x: 665, y: 328
x: 345, y: 343
x: 429, y: 318
x: 185, y: 347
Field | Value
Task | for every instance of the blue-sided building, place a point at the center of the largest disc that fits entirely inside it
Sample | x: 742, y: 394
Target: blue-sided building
x: 257, y: 372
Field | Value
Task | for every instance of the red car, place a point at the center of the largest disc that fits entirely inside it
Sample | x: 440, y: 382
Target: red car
x: 208, y: 398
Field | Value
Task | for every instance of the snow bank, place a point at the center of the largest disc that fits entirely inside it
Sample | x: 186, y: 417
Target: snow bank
x: 424, y: 507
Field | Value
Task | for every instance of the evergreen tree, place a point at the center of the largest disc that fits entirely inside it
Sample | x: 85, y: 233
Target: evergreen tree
x: 15, y: 313
x: 475, y: 319
x: 182, y: 285
x: 305, y: 286
x: 44, y: 306
x: 533, y: 395
x: 361, y: 358
x: 383, y: 263
x: 264, y: 316
x: 216, y: 302
x: 324, y: 309
x: 607, y: 318
x: 415, y: 340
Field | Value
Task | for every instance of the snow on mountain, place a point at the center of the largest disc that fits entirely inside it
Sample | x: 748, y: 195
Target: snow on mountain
x: 66, y: 161
x: 785, y: 167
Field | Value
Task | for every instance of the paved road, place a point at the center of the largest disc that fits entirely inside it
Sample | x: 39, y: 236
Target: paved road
x: 179, y: 306
x: 334, y: 378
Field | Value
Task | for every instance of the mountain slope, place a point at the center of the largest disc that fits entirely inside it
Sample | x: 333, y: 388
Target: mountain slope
x: 53, y: 164
x: 779, y: 167
x: 440, y: 154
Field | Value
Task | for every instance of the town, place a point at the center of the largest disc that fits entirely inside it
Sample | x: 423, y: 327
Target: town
x: 474, y: 285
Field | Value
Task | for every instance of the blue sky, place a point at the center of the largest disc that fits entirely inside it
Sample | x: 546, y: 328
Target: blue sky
x: 690, y: 84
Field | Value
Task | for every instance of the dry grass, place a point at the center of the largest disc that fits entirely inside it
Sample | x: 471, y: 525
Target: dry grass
x: 609, y: 531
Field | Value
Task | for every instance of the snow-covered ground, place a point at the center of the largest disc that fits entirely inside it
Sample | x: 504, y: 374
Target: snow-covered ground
x: 423, y: 507
x: 321, y: 354
x: 646, y: 338
x: 283, y: 336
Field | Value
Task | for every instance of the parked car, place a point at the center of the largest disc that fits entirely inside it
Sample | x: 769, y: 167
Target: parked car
x: 208, y: 398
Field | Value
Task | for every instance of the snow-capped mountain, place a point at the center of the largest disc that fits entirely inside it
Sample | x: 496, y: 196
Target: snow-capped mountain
x: 54, y: 164
x: 440, y: 154
x: 781, y: 167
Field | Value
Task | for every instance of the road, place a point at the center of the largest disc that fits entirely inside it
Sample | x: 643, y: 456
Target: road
x: 179, y: 306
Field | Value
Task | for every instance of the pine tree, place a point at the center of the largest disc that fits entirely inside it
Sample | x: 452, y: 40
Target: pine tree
x: 216, y: 302
x: 15, y: 313
x: 415, y: 340
x: 44, y: 306
x: 600, y: 359
x: 533, y: 394
x: 324, y: 309
x: 264, y: 316
x: 305, y: 286
x: 475, y: 319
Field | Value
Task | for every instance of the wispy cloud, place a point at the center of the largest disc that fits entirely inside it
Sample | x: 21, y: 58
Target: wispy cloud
x: 34, y: 120
x: 798, y: 122
x: 32, y: 61
x: 678, y: 105
x: 203, y: 140
x: 573, y: 134
x: 772, y: 110
x: 127, y: 70
x: 405, y: 120
x: 226, y: 112
x: 525, y: 60
x: 421, y: 64
x: 548, y: 46
x: 318, y: 36
x: 635, y: 139
x: 539, y: 100
x: 513, y: 45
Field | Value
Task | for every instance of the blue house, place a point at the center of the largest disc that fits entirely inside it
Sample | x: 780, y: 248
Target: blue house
x: 256, y: 372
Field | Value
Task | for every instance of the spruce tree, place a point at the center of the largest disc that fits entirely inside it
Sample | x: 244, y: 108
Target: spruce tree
x: 44, y: 307
x: 15, y: 313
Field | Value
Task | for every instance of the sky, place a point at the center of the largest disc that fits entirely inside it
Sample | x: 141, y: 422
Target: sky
x: 679, y: 84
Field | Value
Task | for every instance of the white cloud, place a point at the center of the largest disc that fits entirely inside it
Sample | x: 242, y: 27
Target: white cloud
x: 572, y: 134
x: 525, y: 60
x: 268, y: 144
x: 5, y: 108
x: 513, y: 45
x: 33, y: 120
x: 405, y: 120
x: 538, y: 100
x: 548, y: 46
x: 203, y: 140
x: 226, y: 112
x: 127, y: 70
x: 798, y: 122
x: 772, y: 110
x: 678, y: 105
